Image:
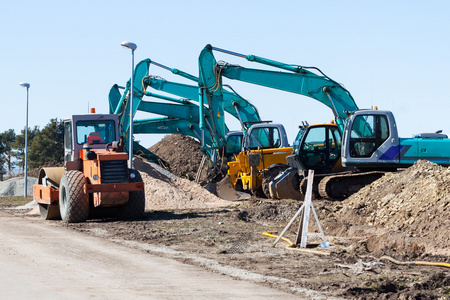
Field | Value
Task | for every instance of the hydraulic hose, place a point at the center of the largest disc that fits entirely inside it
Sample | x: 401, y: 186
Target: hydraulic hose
x: 271, y: 234
x: 292, y: 245
x: 426, y: 263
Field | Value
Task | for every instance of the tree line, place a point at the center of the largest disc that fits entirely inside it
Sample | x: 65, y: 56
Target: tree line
x: 43, y: 146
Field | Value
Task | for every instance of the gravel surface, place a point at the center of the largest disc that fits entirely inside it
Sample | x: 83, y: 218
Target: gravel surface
x: 15, y: 186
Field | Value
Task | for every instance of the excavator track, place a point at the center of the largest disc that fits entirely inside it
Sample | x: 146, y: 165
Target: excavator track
x: 342, y: 186
x: 317, y: 179
x: 315, y: 186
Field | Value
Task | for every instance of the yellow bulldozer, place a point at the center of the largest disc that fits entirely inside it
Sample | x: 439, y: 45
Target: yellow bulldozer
x: 264, y: 150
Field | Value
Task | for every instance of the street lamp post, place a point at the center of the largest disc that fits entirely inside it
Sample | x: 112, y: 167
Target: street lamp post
x: 26, y: 85
x: 133, y: 47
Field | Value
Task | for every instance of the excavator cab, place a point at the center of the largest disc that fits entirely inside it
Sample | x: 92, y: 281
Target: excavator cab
x: 265, y: 136
x: 320, y: 148
x: 233, y: 144
x: 371, y: 140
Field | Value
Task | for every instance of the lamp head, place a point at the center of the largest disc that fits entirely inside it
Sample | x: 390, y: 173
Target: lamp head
x: 24, y: 84
x: 129, y: 45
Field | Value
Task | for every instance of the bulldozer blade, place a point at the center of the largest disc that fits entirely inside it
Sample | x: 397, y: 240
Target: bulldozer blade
x: 225, y: 191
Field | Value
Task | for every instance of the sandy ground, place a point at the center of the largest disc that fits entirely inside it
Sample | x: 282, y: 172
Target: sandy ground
x: 229, y: 241
x: 64, y: 264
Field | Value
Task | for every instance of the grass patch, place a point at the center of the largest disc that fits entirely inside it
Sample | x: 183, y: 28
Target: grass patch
x: 14, y: 200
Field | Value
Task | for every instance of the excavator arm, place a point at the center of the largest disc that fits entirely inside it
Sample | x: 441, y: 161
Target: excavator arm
x: 299, y: 80
x: 180, y: 118
x: 166, y: 125
x: 121, y: 105
x: 181, y: 110
x: 184, y: 109
x: 234, y: 104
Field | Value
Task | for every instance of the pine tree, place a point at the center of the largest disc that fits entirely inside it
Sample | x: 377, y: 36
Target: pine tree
x: 19, y: 146
x: 48, y: 144
x: 7, y: 138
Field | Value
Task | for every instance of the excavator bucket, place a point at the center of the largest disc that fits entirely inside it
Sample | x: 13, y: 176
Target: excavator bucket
x: 286, y: 186
x: 226, y: 191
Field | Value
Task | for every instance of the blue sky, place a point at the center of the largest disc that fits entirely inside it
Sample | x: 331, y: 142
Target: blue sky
x: 390, y: 54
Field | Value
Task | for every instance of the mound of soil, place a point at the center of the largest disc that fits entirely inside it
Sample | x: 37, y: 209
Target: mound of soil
x: 181, y: 152
x: 163, y: 192
x: 414, y: 202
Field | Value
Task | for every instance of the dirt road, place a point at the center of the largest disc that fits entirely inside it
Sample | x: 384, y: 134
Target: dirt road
x: 44, y: 260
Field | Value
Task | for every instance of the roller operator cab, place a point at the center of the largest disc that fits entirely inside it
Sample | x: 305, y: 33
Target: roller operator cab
x: 371, y: 141
x: 95, y: 173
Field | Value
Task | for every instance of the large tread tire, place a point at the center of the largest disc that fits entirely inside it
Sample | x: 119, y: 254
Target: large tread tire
x: 135, y: 207
x: 73, y: 202
x: 258, y: 193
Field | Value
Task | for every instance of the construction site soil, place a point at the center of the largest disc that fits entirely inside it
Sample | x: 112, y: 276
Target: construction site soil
x: 180, y: 153
x: 374, y: 235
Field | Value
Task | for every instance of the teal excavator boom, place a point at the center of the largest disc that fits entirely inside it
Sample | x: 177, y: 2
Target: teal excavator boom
x: 299, y: 80
x: 181, y: 115
x: 234, y: 104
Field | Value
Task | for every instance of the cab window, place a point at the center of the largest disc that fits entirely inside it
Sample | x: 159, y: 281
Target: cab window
x: 298, y: 140
x: 320, y: 149
x: 315, y: 139
x: 367, y: 134
x: 334, y: 140
x: 234, y: 145
x: 95, y: 132
x: 265, y: 138
x: 67, y: 136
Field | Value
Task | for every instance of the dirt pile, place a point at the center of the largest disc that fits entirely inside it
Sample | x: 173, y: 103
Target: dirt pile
x: 164, y: 192
x: 35, y: 172
x: 415, y: 202
x: 181, y: 152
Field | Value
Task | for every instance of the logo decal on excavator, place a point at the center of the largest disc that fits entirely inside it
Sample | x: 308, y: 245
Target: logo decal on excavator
x: 395, y: 152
